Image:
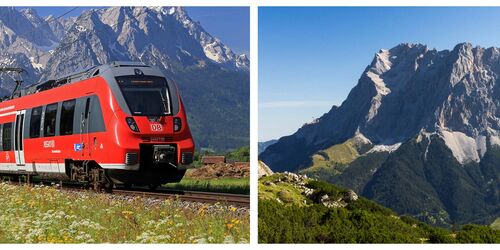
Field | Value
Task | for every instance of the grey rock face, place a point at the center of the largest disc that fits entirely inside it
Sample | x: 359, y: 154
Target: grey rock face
x: 24, y: 40
x: 300, y: 183
x: 165, y: 37
x: 405, y: 90
x: 24, y: 24
x: 264, y: 170
x: 350, y: 196
x: 162, y: 36
x: 59, y: 26
x: 41, y: 26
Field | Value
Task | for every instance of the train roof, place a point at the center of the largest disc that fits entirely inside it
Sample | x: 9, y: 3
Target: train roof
x: 77, y: 76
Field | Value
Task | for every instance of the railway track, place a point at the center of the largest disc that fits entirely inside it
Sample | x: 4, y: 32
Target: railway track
x: 194, y: 196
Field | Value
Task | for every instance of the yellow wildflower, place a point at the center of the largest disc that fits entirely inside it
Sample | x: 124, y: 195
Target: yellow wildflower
x: 127, y: 214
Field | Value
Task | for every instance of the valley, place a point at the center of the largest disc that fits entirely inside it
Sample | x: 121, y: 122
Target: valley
x: 432, y: 155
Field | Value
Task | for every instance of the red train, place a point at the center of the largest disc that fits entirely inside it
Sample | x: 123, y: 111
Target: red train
x: 121, y: 123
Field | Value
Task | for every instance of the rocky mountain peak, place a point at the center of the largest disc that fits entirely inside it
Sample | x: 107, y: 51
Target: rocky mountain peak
x: 381, y: 63
x: 406, y: 89
x: 28, y: 25
x: 164, y: 37
x: 29, y: 13
x: 433, y: 120
x: 464, y: 48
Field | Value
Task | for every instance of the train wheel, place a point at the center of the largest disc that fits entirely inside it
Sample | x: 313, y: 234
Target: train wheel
x: 127, y: 185
x: 108, y: 186
x: 153, y: 186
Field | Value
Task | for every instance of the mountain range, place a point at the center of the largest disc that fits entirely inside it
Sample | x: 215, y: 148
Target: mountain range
x: 214, y: 81
x: 263, y: 145
x: 419, y: 133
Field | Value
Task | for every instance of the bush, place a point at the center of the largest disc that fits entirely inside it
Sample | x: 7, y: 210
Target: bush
x: 478, y: 234
x: 368, y: 205
x: 318, y: 224
x: 241, y: 154
x: 362, y: 221
x: 440, y: 235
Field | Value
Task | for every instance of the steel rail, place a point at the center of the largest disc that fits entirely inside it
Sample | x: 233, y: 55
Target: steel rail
x: 238, y: 200
x: 205, y: 197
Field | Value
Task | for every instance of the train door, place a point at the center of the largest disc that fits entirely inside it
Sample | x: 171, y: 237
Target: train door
x: 19, y: 139
x: 86, y: 151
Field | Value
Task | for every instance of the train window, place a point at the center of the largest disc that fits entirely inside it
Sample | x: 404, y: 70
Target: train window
x: 21, y: 135
x: 145, y: 95
x: 87, y: 106
x: 67, y: 113
x: 49, y: 126
x: 36, y: 119
x: 7, y: 137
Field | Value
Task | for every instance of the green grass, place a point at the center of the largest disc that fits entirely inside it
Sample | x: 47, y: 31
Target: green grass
x: 283, y: 191
x: 48, y: 215
x: 222, y: 185
x: 333, y: 160
x: 361, y: 221
x: 343, y: 153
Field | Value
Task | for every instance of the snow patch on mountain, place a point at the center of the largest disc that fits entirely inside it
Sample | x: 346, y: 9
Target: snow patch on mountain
x: 382, y: 62
x: 242, y: 61
x: 424, y: 135
x: 481, y: 145
x: 214, y: 52
x: 361, y: 139
x: 379, y: 83
x: 494, y: 140
x: 385, y: 148
x: 48, y: 47
x: 380, y: 65
x: 37, y: 66
x: 463, y: 147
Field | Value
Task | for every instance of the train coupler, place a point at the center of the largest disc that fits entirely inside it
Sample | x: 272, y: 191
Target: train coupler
x: 163, y: 154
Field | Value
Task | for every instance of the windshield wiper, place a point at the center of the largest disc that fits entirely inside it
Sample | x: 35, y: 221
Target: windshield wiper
x: 165, y: 103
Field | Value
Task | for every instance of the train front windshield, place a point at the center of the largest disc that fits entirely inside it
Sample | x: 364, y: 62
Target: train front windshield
x: 145, y: 95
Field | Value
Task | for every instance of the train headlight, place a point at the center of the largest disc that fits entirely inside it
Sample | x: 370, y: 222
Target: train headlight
x: 177, y: 124
x: 131, y: 124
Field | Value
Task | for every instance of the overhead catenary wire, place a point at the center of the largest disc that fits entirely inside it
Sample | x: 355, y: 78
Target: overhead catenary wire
x: 50, y: 20
x: 20, y: 80
x: 64, y: 45
x: 22, y: 34
x: 65, y: 13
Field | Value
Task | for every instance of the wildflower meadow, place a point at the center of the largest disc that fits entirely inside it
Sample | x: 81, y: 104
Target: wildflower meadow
x: 43, y: 214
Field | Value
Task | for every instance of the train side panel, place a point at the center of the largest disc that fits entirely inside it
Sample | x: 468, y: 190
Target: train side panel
x: 58, y: 130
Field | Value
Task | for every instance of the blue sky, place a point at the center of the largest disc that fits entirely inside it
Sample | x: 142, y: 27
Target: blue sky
x: 311, y: 57
x: 230, y: 24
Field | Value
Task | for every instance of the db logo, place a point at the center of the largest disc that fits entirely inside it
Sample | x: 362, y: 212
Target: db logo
x: 156, y: 127
x: 49, y: 144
